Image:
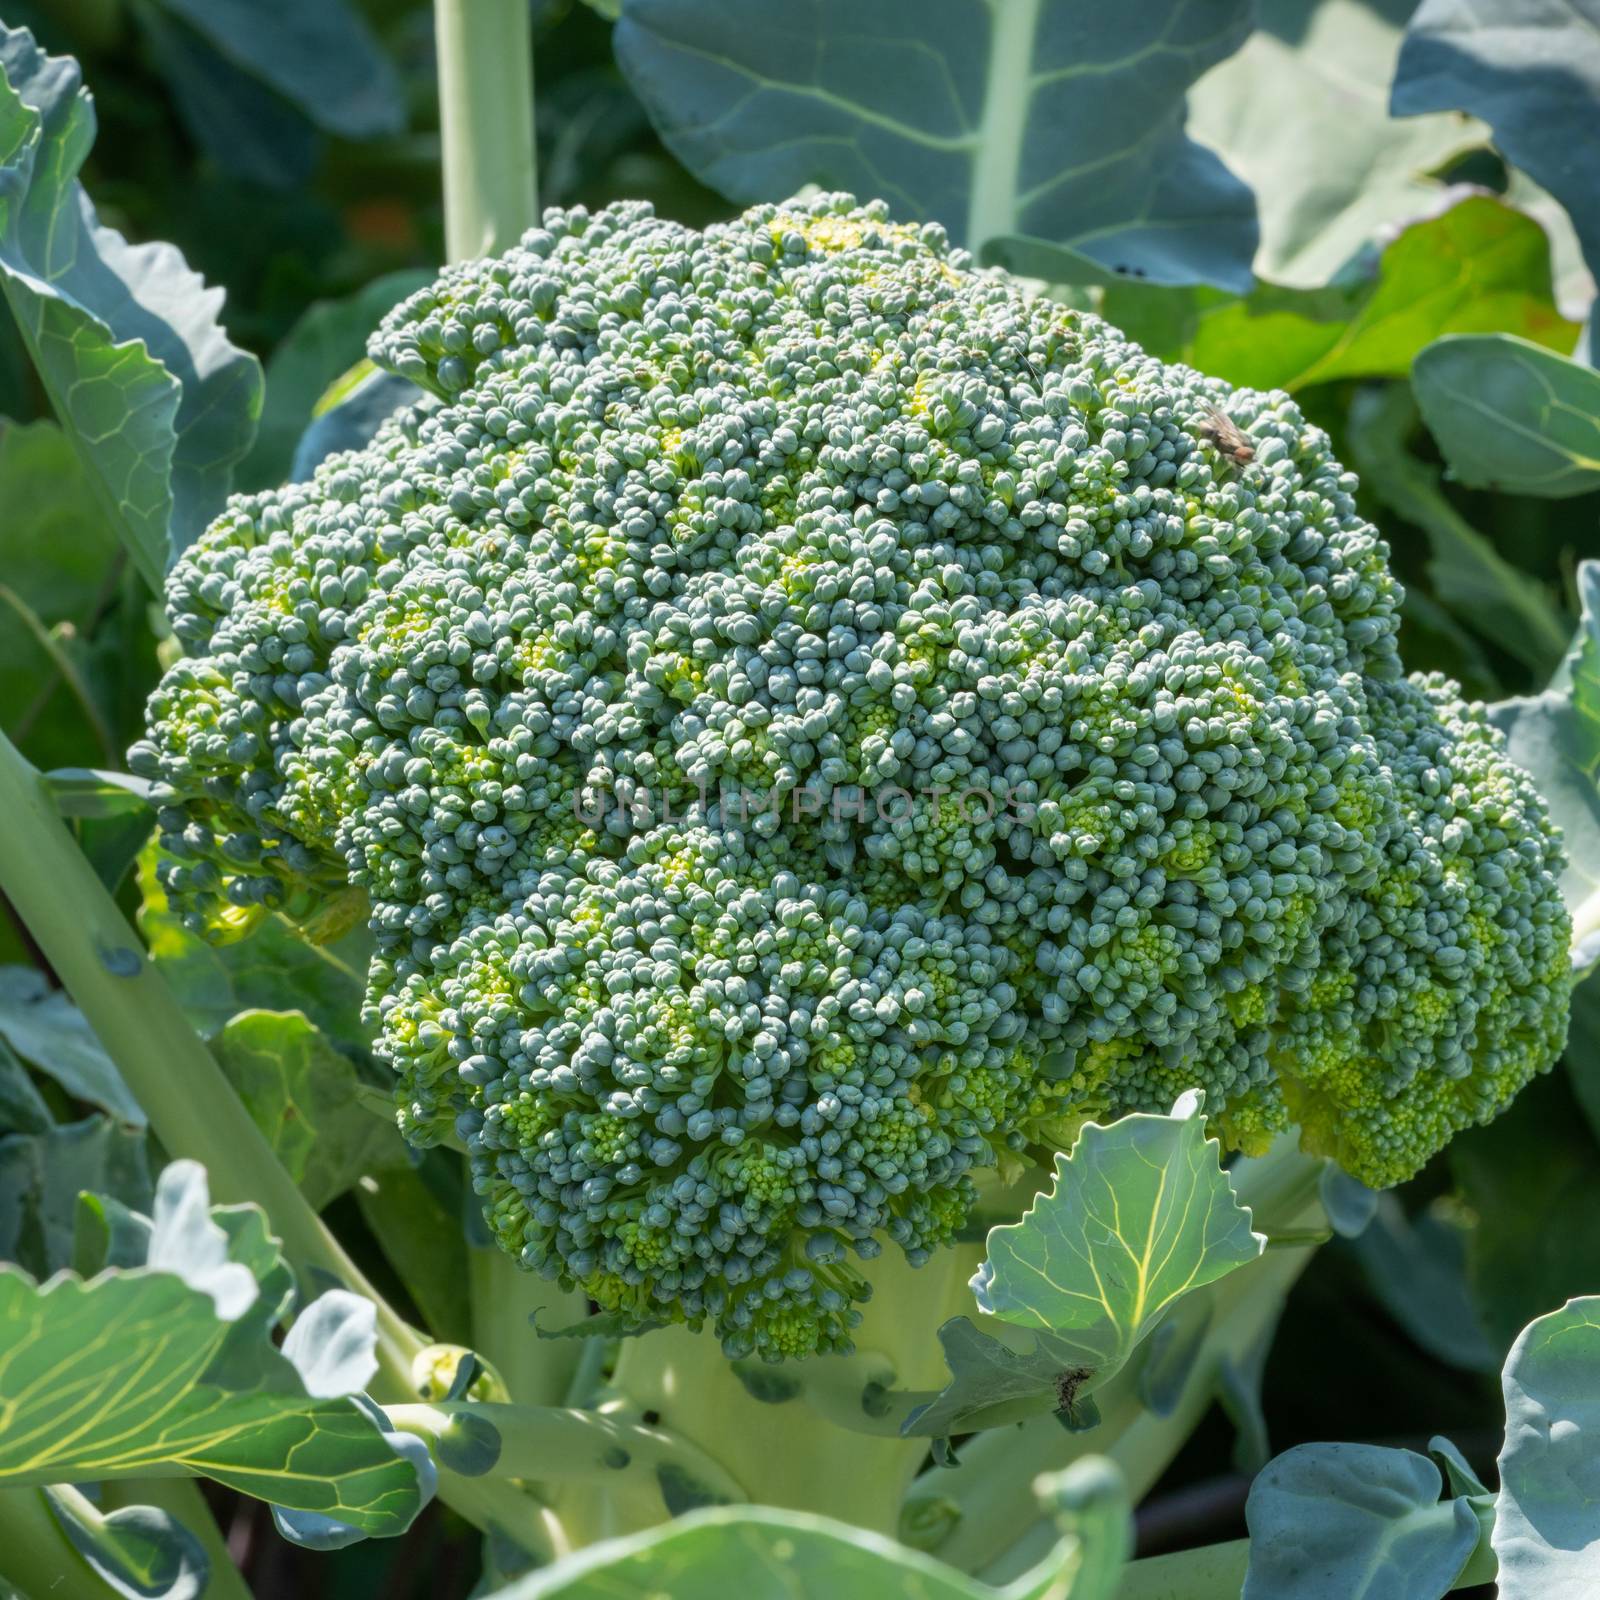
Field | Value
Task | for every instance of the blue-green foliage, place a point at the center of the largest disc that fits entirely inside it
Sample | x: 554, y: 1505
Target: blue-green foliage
x: 762, y: 524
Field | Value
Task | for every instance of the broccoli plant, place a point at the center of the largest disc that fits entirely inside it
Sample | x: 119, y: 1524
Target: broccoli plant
x: 880, y: 854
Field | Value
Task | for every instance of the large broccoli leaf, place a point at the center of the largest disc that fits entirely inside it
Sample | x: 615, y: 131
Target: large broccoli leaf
x: 125, y: 337
x: 1546, y: 1533
x: 1531, y: 70
x: 1356, y: 1522
x: 1046, y: 135
x: 1301, y: 114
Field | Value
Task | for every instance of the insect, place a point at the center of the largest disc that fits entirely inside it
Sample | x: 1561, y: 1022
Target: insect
x: 1067, y: 1385
x: 1225, y: 435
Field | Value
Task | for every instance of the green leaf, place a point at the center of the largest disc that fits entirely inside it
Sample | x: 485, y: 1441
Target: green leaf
x: 1301, y: 114
x: 248, y: 129
x: 1354, y: 1522
x: 323, y: 345
x: 1511, y: 416
x: 319, y: 54
x: 140, y: 1552
x: 1169, y: 1356
x: 156, y: 400
x: 44, y: 1027
x: 58, y: 551
x: 1140, y: 1214
x: 349, y: 414
x: 1538, y: 1160
x: 1582, y: 1055
x: 22, y: 1107
x: 1418, y: 1271
x: 1036, y: 131
x: 1555, y: 736
x: 305, y: 1098
x: 42, y: 1174
x: 1546, y: 1533
x: 419, y: 1231
x: 755, y: 1550
x: 273, y: 970
x: 84, y: 792
x: 171, y: 1364
x: 1531, y: 70
x: 1479, y: 266
x: 1468, y: 573
x: 1349, y: 1203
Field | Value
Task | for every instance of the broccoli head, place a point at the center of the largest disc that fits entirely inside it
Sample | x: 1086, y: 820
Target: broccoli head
x: 807, y: 721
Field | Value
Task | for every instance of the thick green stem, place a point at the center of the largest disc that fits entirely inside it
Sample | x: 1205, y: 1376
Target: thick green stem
x: 486, y: 124
x: 1215, y: 1572
x: 191, y: 1105
x: 759, y: 1424
x: 505, y: 1301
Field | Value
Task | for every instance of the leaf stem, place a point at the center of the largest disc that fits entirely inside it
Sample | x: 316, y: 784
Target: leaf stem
x: 181, y: 1498
x: 37, y: 1557
x: 486, y: 124
x: 558, y: 1443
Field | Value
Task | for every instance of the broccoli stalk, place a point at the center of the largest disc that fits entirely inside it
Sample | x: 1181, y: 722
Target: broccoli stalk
x: 824, y: 1435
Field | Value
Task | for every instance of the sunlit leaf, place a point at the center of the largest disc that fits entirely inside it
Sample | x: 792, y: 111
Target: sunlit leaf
x: 1141, y: 1213
x: 1478, y: 266
x: 1531, y: 70
x: 1301, y: 114
x: 171, y: 1364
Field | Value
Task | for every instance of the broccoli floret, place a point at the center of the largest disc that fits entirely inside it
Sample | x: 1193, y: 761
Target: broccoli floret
x: 810, y: 722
